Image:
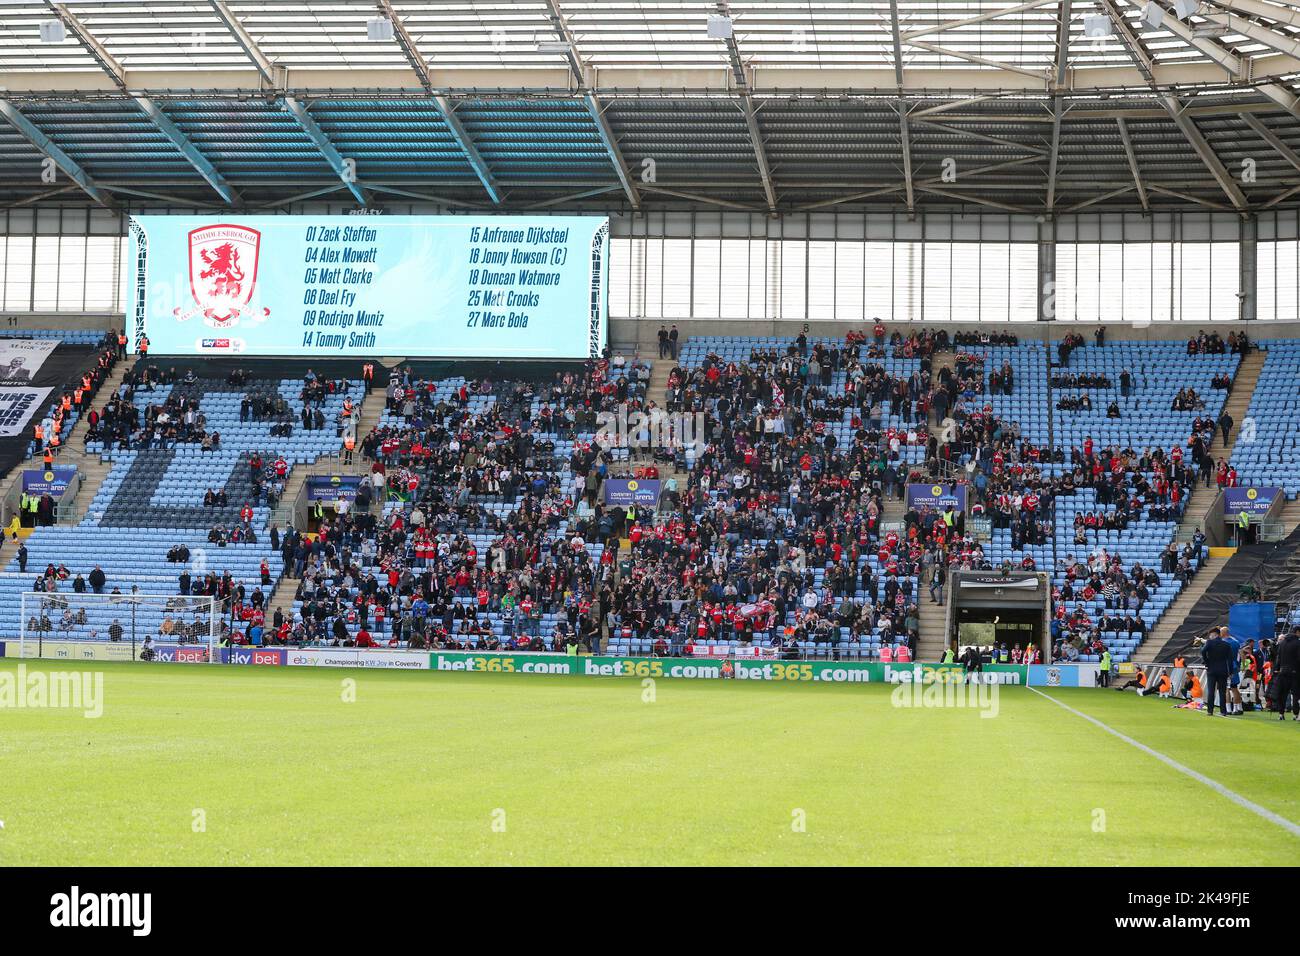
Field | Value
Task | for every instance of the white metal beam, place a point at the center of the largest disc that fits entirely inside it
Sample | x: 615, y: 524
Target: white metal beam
x: 985, y: 137
x: 967, y: 197
x: 245, y: 41
x: 1256, y: 31
x: 62, y: 160
x: 449, y: 117
x: 668, y: 81
x: 751, y: 112
x: 697, y: 197
x: 970, y: 21
x: 1133, y: 163
x: 1237, y: 67
x: 1288, y: 16
x: 1126, y: 188
x: 327, y: 148
x: 1058, y: 101
x: 903, y: 131
x: 1270, y: 137
x: 981, y: 60
x: 1175, y: 108
x: 161, y: 121
x: 1203, y: 150
x: 595, y: 108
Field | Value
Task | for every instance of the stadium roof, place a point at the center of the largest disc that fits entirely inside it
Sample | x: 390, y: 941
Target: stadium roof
x: 565, y: 104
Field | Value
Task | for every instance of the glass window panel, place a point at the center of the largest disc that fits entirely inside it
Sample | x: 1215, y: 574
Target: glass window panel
x: 734, y: 279
x: 707, y: 263
x: 938, y: 282
x: 878, y: 275
x: 849, y: 284
x: 794, y: 262
x: 1024, y: 282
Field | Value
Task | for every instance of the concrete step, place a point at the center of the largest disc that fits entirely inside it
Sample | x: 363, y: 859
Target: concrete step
x: 933, y: 618
x: 282, y: 596
x: 1243, y: 389
x: 91, y: 467
x: 1177, y: 612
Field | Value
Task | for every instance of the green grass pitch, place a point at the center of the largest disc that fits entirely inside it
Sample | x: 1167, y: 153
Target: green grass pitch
x: 501, y: 769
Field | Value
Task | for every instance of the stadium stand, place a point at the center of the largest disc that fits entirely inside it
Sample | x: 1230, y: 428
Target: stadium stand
x: 479, y: 542
x: 151, y: 504
x: 778, y: 545
x: 480, y: 525
x: 1270, y: 456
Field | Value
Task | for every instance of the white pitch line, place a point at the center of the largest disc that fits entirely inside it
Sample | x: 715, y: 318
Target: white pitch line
x: 1267, y: 814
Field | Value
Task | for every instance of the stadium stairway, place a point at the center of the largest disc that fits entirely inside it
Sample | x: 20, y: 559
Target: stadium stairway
x: 368, y: 414
x: 1291, y: 515
x: 282, y: 595
x: 1149, y: 650
x: 933, y: 620
x: 1198, y: 505
x: 1243, y: 388
x: 657, y: 391
x: 92, y: 469
x: 938, y: 361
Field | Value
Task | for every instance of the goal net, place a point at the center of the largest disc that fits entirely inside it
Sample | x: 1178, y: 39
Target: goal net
x: 145, y: 627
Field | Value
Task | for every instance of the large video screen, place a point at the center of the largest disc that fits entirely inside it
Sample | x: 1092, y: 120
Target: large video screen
x: 334, y: 286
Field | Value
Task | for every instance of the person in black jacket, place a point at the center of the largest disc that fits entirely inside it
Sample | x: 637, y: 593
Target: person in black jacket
x: 1218, y: 656
x: 1286, y: 674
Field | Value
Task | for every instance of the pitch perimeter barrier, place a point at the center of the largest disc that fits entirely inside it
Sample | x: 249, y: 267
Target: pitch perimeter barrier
x: 544, y: 663
x: 835, y: 672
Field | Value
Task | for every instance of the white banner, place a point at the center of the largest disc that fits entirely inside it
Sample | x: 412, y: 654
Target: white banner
x: 21, y: 359
x: 356, y: 657
x: 18, y: 405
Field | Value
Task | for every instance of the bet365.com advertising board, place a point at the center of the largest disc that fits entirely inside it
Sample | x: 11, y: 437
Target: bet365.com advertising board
x: 343, y: 286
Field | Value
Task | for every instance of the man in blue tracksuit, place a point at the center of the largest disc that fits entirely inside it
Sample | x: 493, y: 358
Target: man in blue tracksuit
x: 1218, y: 656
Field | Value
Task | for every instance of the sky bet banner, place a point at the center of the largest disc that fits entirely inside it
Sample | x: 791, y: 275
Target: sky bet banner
x: 332, y: 286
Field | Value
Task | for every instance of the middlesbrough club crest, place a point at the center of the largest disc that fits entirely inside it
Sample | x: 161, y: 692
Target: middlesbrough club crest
x: 223, y: 274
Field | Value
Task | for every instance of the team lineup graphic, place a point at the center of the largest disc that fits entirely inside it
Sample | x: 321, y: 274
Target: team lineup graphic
x: 452, y: 286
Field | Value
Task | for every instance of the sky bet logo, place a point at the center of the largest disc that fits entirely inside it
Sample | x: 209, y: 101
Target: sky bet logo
x: 220, y: 345
x: 76, y: 909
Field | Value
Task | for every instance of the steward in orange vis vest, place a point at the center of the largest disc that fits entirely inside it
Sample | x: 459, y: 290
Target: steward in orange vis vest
x: 48, y: 458
x: 39, y: 433
x: 368, y: 375
x: 1140, y: 682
